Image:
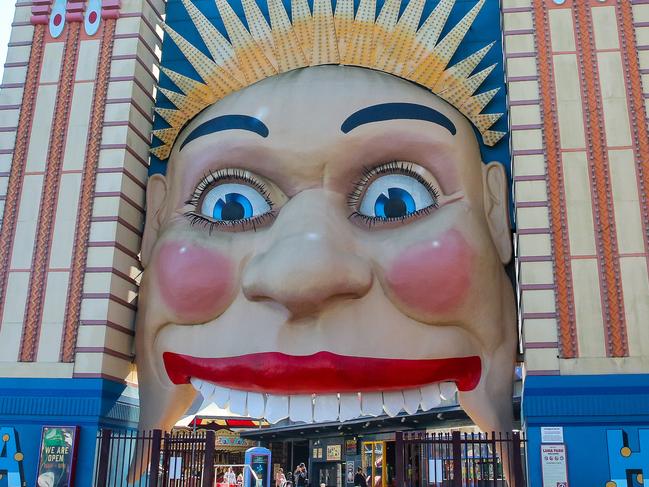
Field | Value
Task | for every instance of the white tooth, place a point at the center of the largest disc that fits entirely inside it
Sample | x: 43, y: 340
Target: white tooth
x: 196, y: 383
x: 276, y: 408
x: 301, y: 408
x: 430, y: 397
x: 372, y: 403
x: 350, y: 406
x: 220, y: 396
x: 206, y: 389
x: 447, y: 390
x: 392, y: 402
x: 411, y: 400
x: 256, y: 405
x: 238, y: 402
x: 326, y: 408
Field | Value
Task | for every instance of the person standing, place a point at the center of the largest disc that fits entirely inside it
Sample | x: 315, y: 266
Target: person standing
x: 230, y: 477
x: 300, y: 476
x: 359, y: 478
x: 280, y: 478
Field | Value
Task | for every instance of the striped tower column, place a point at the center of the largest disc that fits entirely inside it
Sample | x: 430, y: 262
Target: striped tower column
x: 587, y: 356
x: 76, y: 106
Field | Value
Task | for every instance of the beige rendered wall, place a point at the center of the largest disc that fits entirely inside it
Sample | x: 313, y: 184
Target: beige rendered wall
x: 577, y: 97
x: 69, y: 285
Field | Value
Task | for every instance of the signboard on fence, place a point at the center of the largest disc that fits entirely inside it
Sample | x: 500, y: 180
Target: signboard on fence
x: 57, y: 456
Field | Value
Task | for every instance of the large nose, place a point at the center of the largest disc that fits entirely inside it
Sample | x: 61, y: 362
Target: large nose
x: 311, y: 260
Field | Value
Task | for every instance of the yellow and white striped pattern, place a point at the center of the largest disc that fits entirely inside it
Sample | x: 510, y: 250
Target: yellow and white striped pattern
x: 398, y: 47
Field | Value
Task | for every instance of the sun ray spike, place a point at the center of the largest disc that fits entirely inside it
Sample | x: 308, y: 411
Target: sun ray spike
x: 386, y: 21
x: 220, y: 49
x: 187, y: 85
x: 303, y: 26
x: 325, y: 47
x: 447, y: 47
x: 429, y: 33
x: 474, y: 82
x: 430, y: 68
x: 287, y: 47
x: 250, y: 57
x: 462, y: 69
x: 161, y: 152
x: 492, y: 137
x: 465, y: 88
x: 477, y: 103
x: 177, y: 99
x: 344, y: 22
x: 362, y: 49
x: 174, y: 118
x: 402, y: 39
x: 485, y: 120
x: 183, y: 82
x: 166, y: 135
x: 260, y: 30
x: 204, y: 66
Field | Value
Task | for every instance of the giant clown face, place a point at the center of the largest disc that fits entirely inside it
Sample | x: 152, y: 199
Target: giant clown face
x: 326, y: 244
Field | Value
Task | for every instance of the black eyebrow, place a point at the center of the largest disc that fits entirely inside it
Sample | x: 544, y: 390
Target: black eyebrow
x: 396, y: 111
x: 227, y: 122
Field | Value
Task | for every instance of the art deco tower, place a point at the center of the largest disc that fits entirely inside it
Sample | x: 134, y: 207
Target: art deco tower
x: 76, y: 113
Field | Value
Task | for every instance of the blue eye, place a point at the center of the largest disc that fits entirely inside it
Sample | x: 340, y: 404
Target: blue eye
x: 234, y: 202
x: 395, y: 196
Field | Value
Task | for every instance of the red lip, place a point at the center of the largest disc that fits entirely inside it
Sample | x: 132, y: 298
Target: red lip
x: 322, y: 372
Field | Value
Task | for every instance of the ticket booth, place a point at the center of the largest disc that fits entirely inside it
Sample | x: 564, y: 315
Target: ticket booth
x: 259, y: 461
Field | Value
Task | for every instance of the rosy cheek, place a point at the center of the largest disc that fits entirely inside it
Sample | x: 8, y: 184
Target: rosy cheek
x: 433, y: 277
x: 194, y: 282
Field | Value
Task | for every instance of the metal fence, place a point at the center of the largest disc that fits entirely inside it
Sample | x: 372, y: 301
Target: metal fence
x: 185, y: 459
x: 154, y: 459
x: 460, y: 460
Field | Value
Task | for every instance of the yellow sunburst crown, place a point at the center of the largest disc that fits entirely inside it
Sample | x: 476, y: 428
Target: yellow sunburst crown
x: 400, y: 45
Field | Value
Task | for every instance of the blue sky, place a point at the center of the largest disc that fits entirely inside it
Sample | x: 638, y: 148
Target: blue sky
x: 5, y: 31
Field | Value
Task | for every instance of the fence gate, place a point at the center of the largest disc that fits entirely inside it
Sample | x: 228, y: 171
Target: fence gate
x: 159, y: 459
x: 460, y: 460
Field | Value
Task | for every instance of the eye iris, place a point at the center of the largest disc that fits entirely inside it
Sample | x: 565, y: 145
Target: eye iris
x: 235, y: 207
x: 397, y: 204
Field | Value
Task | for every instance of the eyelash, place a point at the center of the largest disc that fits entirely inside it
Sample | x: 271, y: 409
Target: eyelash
x: 370, y: 174
x: 229, y: 175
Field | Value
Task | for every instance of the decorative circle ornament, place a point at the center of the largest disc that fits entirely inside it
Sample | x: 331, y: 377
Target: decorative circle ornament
x: 92, y: 17
x: 57, y: 18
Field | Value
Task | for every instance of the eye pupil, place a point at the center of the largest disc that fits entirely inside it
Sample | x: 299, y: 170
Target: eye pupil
x: 397, y: 204
x: 395, y: 208
x: 235, y: 206
x: 232, y: 211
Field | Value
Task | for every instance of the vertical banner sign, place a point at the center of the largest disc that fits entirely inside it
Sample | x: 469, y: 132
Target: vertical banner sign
x: 58, y: 455
x: 554, y: 461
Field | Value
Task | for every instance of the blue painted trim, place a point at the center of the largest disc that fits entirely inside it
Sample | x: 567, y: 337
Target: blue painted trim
x: 86, y: 401
x: 586, y: 399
